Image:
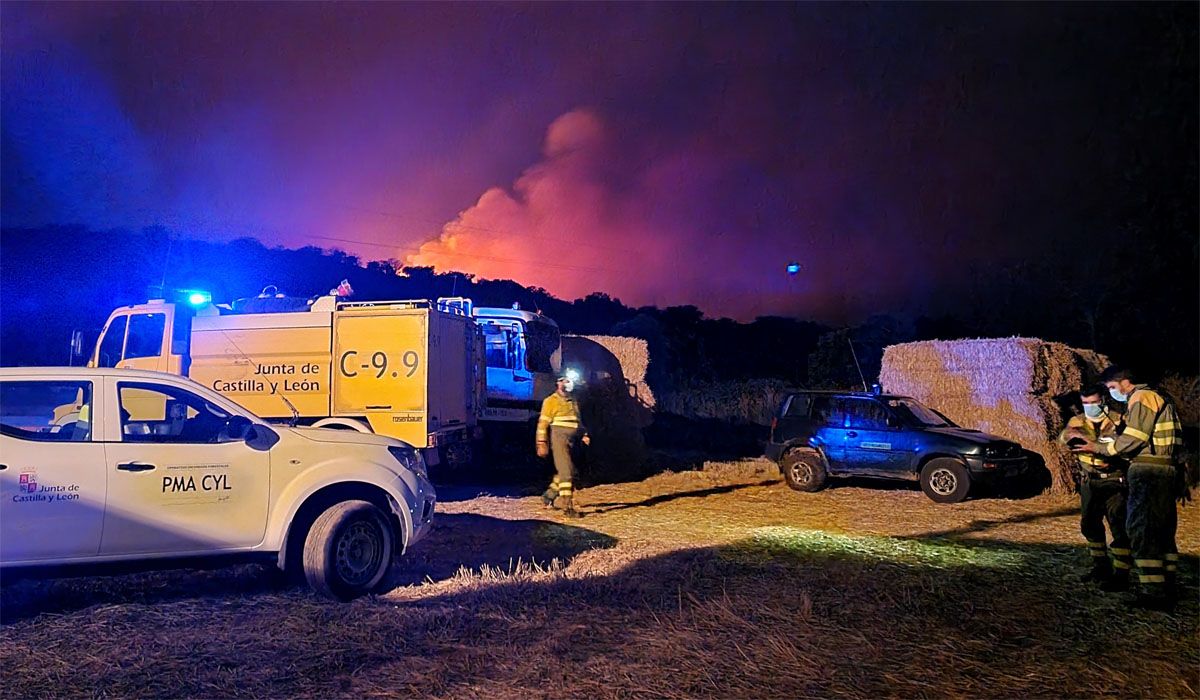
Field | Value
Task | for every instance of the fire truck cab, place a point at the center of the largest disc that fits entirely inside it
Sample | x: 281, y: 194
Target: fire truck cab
x: 524, y: 355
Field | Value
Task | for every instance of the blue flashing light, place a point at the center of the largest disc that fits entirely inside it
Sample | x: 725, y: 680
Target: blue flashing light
x: 793, y: 268
x: 198, y: 298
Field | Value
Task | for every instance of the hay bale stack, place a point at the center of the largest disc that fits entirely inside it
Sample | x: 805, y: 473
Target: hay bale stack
x: 1004, y: 386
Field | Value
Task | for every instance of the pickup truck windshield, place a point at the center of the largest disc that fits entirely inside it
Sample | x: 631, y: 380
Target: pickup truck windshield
x: 915, y: 412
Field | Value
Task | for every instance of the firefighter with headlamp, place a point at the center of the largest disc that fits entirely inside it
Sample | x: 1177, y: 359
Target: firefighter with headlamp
x: 560, y: 430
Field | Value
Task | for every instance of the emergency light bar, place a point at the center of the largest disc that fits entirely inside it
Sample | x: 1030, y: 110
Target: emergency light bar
x: 196, y: 297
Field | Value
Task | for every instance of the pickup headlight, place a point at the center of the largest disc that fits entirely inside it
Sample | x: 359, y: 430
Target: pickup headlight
x: 410, y: 459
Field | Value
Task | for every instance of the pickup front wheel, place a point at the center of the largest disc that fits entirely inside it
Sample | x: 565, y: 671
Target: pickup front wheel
x: 945, y: 480
x: 348, y: 550
x: 804, y: 470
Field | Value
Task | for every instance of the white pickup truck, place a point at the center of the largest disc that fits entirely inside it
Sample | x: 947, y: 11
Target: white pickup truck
x: 112, y: 469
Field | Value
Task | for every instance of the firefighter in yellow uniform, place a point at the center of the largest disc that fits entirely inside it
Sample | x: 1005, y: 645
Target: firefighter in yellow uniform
x: 559, y: 432
x: 1151, y: 440
x: 1102, y: 493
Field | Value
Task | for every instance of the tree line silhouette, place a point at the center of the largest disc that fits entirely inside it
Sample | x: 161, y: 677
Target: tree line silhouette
x: 55, y: 280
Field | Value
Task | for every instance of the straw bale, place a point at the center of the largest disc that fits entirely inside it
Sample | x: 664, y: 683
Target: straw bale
x: 1003, y: 386
x: 996, y: 366
x: 1185, y: 392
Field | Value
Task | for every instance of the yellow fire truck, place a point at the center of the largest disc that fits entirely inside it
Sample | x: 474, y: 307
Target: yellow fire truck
x: 412, y: 370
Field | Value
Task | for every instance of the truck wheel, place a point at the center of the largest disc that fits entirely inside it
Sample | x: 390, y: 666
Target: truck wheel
x: 348, y: 550
x: 804, y: 470
x: 945, y: 480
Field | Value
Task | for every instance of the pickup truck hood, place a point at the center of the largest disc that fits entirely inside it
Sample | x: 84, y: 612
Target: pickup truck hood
x: 968, y: 435
x: 342, y: 436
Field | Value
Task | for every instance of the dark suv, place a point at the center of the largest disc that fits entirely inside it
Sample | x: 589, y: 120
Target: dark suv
x: 816, y: 435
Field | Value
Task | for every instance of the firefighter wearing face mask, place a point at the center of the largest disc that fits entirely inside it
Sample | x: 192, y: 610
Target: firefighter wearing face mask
x: 1102, y: 494
x: 559, y: 432
x: 1151, y: 440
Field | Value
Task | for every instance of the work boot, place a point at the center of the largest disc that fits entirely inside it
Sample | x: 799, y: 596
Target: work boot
x: 548, y: 497
x: 1116, y: 582
x: 567, y: 504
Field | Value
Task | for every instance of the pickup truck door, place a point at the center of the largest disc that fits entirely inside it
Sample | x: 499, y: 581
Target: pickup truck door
x: 52, y: 470
x: 177, y: 481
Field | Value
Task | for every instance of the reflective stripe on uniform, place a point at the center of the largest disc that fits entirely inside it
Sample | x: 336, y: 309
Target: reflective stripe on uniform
x: 1120, y: 564
x: 1152, y: 578
x: 1136, y: 433
x: 559, y: 412
x: 1119, y: 551
x: 1149, y: 563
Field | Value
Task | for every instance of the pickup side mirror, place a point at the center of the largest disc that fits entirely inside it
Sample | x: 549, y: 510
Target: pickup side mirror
x: 256, y: 437
x: 261, y: 438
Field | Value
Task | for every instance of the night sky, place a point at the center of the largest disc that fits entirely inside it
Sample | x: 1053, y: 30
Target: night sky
x: 664, y: 154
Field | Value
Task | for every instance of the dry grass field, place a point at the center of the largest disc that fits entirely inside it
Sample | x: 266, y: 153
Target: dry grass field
x: 712, y: 583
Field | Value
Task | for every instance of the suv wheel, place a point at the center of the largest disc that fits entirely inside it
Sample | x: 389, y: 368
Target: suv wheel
x: 348, y: 550
x: 804, y: 470
x: 945, y: 480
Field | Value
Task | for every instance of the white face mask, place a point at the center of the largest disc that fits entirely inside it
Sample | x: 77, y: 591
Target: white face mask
x: 1117, y: 395
x: 1093, y: 410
